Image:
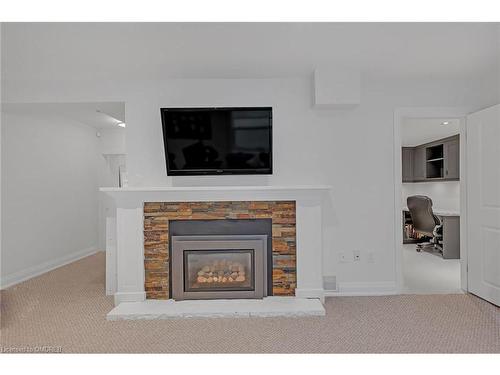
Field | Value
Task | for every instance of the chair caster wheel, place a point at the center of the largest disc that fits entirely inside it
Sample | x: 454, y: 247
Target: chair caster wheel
x: 419, y: 250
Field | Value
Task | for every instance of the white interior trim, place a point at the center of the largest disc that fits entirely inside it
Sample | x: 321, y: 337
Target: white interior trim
x: 367, y: 288
x: 428, y: 112
x: 29, y: 273
x: 183, y: 189
x: 464, y: 255
x: 310, y: 293
x: 120, y: 297
x: 110, y: 256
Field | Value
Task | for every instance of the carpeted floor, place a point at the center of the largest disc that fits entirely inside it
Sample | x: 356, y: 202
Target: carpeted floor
x: 67, y: 307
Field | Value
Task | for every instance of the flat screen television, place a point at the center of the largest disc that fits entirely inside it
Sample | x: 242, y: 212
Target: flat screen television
x: 217, y: 141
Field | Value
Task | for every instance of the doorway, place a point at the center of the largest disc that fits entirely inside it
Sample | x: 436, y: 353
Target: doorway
x: 429, y: 167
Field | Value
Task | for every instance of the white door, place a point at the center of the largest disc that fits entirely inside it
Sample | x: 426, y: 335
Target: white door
x: 483, y: 203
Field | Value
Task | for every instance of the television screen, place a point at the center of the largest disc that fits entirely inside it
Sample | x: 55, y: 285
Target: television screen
x: 213, y: 141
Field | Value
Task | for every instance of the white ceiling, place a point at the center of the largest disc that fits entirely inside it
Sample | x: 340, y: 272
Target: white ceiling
x: 49, y: 51
x: 97, y: 115
x: 416, y: 131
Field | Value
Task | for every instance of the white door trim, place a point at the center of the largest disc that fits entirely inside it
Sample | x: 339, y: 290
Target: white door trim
x: 429, y: 112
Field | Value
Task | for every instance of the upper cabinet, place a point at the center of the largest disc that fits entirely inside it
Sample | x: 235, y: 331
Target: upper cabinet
x: 407, y: 153
x: 418, y: 164
x: 452, y: 159
x: 435, y: 161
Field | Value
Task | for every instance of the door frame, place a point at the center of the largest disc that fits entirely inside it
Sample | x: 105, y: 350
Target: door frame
x: 429, y: 112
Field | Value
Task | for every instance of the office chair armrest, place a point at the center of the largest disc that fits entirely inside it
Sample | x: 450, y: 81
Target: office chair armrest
x: 436, y: 230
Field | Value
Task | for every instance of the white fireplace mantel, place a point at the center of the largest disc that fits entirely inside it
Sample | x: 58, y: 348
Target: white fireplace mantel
x: 125, y: 259
x: 133, y: 196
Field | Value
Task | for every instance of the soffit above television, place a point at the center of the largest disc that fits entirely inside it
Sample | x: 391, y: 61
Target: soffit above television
x: 217, y: 140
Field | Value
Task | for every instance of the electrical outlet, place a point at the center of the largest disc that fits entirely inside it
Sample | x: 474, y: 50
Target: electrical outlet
x: 356, y: 255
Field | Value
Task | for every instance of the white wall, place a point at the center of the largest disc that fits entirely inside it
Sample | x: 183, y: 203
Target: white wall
x: 112, y: 140
x: 49, y: 193
x: 351, y: 150
x: 445, y: 195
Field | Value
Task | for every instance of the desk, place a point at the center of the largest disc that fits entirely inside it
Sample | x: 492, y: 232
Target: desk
x: 451, y: 231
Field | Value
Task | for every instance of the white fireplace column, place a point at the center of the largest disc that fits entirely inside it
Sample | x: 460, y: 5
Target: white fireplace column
x: 309, y: 249
x: 130, y: 255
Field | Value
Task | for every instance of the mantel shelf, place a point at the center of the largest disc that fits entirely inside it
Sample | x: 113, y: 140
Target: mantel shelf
x: 214, y: 188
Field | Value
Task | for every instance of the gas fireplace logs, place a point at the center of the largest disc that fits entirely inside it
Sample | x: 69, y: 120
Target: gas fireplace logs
x: 222, y: 271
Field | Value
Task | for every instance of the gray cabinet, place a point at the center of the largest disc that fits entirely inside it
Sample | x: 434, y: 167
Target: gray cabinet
x: 419, y: 164
x: 452, y: 159
x: 434, y: 161
x: 407, y: 164
x: 451, y: 237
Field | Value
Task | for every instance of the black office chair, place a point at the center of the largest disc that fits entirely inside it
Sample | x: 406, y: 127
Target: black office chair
x: 425, y: 222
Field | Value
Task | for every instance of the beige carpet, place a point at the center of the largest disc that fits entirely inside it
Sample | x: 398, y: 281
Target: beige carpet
x: 67, y: 308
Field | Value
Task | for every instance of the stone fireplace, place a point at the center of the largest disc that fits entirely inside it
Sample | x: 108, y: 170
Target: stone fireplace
x: 139, y: 239
x: 271, y: 223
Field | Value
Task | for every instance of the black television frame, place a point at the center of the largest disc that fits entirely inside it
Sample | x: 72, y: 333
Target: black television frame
x: 217, y: 172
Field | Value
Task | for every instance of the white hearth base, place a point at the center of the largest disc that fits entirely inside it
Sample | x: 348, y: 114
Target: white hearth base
x: 236, y: 308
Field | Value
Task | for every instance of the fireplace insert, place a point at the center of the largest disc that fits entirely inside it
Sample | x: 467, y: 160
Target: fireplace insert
x: 215, y: 266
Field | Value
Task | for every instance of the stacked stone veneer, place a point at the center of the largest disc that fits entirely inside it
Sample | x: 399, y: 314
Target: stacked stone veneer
x: 156, y: 247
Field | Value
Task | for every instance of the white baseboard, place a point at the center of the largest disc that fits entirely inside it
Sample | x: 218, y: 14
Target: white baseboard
x: 129, y: 297
x: 375, y: 288
x: 29, y: 273
x: 310, y: 293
